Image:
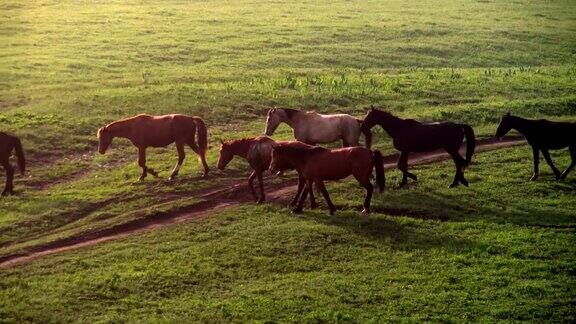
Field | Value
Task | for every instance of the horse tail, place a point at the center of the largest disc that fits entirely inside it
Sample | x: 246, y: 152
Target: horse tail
x: 367, y: 135
x: 470, y: 142
x: 202, y: 134
x: 379, y: 165
x: 20, y: 155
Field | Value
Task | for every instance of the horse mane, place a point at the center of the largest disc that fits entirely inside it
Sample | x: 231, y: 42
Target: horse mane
x: 121, y: 122
x: 241, y: 141
x: 394, y: 117
x: 290, y: 113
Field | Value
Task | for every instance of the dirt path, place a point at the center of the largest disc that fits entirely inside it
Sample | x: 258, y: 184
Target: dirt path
x: 213, y: 201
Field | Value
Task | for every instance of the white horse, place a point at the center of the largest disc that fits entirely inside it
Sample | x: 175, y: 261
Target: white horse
x: 313, y: 128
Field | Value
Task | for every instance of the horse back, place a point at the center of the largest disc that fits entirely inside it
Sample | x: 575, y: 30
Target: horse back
x: 337, y: 164
x: 551, y: 134
x: 160, y: 131
x: 260, y: 153
x: 425, y: 137
x: 320, y: 128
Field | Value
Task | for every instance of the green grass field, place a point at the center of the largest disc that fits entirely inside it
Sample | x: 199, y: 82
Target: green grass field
x: 501, y: 249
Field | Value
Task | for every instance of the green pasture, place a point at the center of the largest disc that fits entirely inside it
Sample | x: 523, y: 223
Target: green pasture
x: 501, y: 249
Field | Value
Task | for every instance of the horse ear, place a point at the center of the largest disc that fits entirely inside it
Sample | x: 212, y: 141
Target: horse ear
x: 221, y: 142
x: 508, y: 114
x: 372, y: 107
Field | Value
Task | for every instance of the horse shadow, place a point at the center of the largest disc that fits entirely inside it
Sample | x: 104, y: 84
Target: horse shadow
x: 459, y: 208
x: 388, y: 231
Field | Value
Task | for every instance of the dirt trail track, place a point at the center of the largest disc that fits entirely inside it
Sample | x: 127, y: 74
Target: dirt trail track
x: 214, y: 200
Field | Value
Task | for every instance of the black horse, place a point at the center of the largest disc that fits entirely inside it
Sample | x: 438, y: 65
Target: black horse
x: 9, y: 143
x: 543, y: 135
x: 409, y: 135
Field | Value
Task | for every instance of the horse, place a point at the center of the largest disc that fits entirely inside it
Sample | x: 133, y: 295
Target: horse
x: 317, y: 164
x: 543, y: 135
x: 313, y: 128
x: 158, y: 131
x: 409, y: 135
x: 257, y: 151
x: 9, y: 143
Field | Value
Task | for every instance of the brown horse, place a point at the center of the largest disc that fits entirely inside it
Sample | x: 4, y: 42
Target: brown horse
x: 318, y: 164
x: 158, y: 131
x: 9, y: 143
x: 258, y: 152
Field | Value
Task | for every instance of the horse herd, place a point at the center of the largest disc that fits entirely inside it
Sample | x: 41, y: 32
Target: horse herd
x: 315, y: 164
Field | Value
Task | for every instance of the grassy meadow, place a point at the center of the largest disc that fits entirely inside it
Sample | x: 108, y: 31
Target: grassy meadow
x: 501, y: 249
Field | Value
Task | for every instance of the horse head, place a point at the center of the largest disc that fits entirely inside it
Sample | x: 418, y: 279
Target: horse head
x: 371, y: 119
x: 279, y: 161
x: 505, y: 125
x: 226, y: 155
x: 104, y: 139
x: 274, y: 118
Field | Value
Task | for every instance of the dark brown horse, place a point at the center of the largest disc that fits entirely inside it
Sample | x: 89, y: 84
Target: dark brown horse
x: 258, y: 152
x: 319, y: 164
x: 408, y: 135
x: 543, y: 135
x: 9, y: 143
x: 158, y: 131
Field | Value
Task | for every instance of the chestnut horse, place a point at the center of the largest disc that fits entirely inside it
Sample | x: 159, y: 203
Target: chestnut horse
x: 313, y: 128
x: 543, y: 135
x: 158, y: 131
x: 409, y: 135
x: 9, y: 143
x: 258, y: 152
x: 318, y: 164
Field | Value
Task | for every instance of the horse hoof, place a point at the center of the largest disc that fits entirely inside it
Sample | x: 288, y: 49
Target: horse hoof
x: 260, y: 201
x: 453, y: 185
x: 332, y: 212
x: 296, y: 211
x: 533, y: 178
x: 313, y: 206
x: 365, y: 211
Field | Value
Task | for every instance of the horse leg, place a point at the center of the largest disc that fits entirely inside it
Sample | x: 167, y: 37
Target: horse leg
x: 551, y: 164
x: 181, y: 156
x: 363, y: 179
x: 369, y: 190
x: 572, y: 149
x: 307, y: 188
x: 459, y: 176
x: 142, y: 162
x: 202, y: 156
x: 251, y: 186
x: 261, y: 182
x: 313, y: 204
x: 322, y: 188
x: 403, y: 166
x: 536, y: 156
x: 8, y: 189
x: 301, y: 183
